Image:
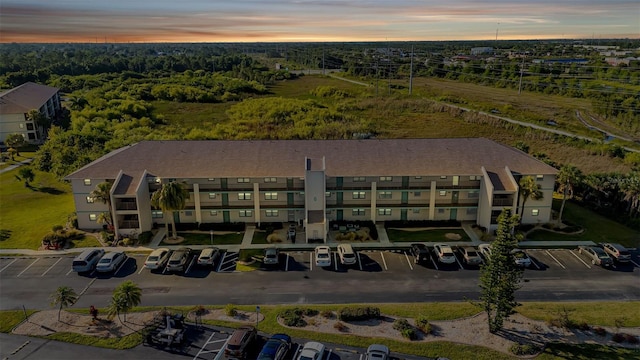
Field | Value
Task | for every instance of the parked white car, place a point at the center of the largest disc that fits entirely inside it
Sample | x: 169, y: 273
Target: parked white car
x: 111, y: 261
x: 485, y: 250
x: 323, y: 256
x: 311, y: 351
x: 444, y: 253
x: 157, y: 259
x: 346, y: 254
x: 208, y: 256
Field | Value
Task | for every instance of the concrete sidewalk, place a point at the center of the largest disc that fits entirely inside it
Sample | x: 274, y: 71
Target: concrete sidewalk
x: 14, y: 166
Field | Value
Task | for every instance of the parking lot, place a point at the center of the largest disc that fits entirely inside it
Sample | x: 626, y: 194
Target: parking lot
x: 29, y: 281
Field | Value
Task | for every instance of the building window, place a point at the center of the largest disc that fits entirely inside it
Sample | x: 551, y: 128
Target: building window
x: 245, y: 213
x: 327, y: 194
x: 30, y: 126
x: 243, y: 180
x: 270, y: 180
x: 271, y: 196
x: 472, y: 211
x: 93, y: 217
x: 357, y: 212
x: 21, y: 126
x: 212, y: 179
x: 440, y: 211
x: 416, y: 193
x: 359, y: 195
x: 31, y: 136
x: 244, y: 196
x: 418, y: 177
x: 443, y: 192
x: 188, y: 213
x: 212, y: 195
x: 443, y: 176
x: 359, y: 179
x: 415, y: 211
x: 386, y: 212
x: 535, y: 212
x: 271, y: 213
x: 90, y: 200
x: 473, y: 194
x: 87, y: 182
x: 385, y: 195
x: 213, y: 212
x: 156, y: 214
x: 474, y: 177
x: 386, y: 178
x: 539, y: 177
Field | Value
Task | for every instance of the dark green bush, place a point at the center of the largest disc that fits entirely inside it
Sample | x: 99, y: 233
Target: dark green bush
x: 293, y: 317
x: 145, y: 237
x: 358, y: 313
x: 423, y: 324
x: 524, y: 349
x: 406, y: 330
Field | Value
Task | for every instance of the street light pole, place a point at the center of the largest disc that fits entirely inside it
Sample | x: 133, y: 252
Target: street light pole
x: 211, y: 233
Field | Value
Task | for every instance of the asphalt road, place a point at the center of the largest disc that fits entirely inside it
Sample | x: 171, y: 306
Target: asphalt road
x: 378, y: 277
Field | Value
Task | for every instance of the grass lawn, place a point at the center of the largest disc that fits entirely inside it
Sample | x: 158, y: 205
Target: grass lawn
x: 205, y: 239
x: 594, y: 313
x: 11, y: 318
x: 259, y: 237
x: 597, y: 228
x: 435, y: 235
x: 28, y: 214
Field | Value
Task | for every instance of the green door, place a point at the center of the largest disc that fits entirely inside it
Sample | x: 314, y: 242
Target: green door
x: 290, y: 199
x: 403, y: 214
x: 339, y: 182
x: 339, y: 196
x: 225, y: 199
x: 405, y: 198
x: 339, y: 215
x: 405, y: 182
x: 289, y: 183
x: 225, y: 216
x: 223, y: 183
x: 176, y: 217
x: 454, y: 197
x: 453, y: 214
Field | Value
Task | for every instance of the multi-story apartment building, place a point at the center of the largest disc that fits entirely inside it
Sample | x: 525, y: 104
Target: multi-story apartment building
x: 315, y: 181
x: 16, y: 103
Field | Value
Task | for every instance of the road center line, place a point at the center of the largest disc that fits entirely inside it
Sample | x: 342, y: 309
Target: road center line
x: 556, y: 260
x: 50, y: 267
x: 383, y: 260
x: 408, y: 261
x: 9, y: 264
x: 582, y: 261
x: 27, y: 268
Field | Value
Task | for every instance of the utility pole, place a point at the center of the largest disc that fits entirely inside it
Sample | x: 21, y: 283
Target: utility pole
x: 411, y: 73
x: 521, y: 72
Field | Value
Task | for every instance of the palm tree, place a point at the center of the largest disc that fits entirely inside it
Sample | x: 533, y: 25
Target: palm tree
x: 568, y: 177
x: 104, y: 218
x: 630, y: 187
x: 63, y: 296
x: 529, y: 189
x: 127, y: 295
x: 170, y: 197
x: 102, y: 193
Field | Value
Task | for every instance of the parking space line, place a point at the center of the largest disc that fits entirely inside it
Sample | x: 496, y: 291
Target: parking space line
x: 28, y: 267
x: 329, y: 354
x: 69, y: 272
x: 359, y: 262
x: 310, y: 261
x: 50, y: 267
x: 115, y: 273
x: 634, y: 263
x: 335, y: 262
x: 384, y: 261
x: 553, y: 257
x: 578, y: 257
x: 9, y: 264
x: 193, y: 260
x: 220, y: 352
x: 205, y: 344
x: 459, y: 264
x: 408, y: 261
x: 221, y: 261
x: 286, y: 265
x: 433, y: 262
x: 534, y: 262
x: 141, y: 268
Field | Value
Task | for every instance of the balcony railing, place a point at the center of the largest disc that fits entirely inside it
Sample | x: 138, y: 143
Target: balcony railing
x: 129, y: 224
x: 502, y: 202
x: 126, y: 206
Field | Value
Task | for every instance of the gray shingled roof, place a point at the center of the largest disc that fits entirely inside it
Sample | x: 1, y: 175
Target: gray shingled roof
x: 25, y: 97
x: 286, y: 158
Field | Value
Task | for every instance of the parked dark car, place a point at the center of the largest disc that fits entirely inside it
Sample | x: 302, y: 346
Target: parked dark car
x: 276, y: 348
x: 179, y: 260
x: 420, y: 253
x: 240, y: 340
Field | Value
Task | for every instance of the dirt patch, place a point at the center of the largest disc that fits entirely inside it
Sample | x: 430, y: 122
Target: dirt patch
x: 453, y: 236
x: 171, y: 241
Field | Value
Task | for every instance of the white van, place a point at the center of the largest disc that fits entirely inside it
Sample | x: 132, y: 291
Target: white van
x: 87, y: 260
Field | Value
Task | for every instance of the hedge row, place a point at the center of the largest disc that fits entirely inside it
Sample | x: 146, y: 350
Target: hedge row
x: 358, y: 313
x: 421, y: 223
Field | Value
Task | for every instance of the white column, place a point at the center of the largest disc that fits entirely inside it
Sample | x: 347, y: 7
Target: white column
x: 374, y: 198
x: 196, y: 199
x: 432, y: 201
x: 256, y: 202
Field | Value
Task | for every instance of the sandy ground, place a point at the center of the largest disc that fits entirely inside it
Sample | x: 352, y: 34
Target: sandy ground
x: 472, y: 330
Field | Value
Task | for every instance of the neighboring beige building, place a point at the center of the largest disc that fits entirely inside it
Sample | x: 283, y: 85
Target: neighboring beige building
x: 315, y: 181
x: 16, y: 103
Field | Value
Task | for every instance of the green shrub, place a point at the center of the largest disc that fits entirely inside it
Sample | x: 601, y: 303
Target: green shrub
x: 406, y: 330
x: 145, y: 237
x: 358, y: 313
x: 230, y: 310
x: 340, y: 326
x: 409, y: 334
x: 327, y: 314
x: 524, y: 349
x: 423, y: 324
x: 293, y: 317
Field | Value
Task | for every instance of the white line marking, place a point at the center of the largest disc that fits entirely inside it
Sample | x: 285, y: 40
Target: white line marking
x: 310, y: 261
x: 634, y: 263
x: 50, y: 267
x: 433, y: 262
x: 86, y: 288
x: 535, y: 263
x: 28, y: 267
x: 221, y: 261
x: 141, y: 268
x: 361, y: 355
x: 359, y: 262
x: 286, y: 265
x: 383, y: 261
x: 329, y: 354
x: 205, y: 344
x: 556, y: 260
x: 69, y: 272
x: 577, y: 257
x: 459, y: 264
x: 190, y: 265
x: 14, y: 260
x: 121, y: 265
x: 335, y: 262
x: 220, y: 353
x: 408, y: 261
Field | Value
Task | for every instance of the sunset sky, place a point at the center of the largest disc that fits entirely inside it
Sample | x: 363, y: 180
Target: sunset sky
x: 313, y: 20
